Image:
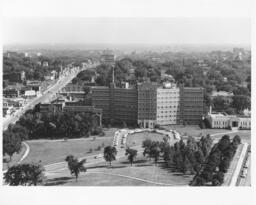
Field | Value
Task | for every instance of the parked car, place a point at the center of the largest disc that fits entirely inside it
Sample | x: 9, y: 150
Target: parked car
x: 244, y: 173
x: 246, y: 164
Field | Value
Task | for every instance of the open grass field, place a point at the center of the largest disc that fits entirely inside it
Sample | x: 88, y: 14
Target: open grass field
x: 51, y: 151
x: 138, y: 138
x: 56, y: 151
x: 142, y: 173
x: 193, y: 130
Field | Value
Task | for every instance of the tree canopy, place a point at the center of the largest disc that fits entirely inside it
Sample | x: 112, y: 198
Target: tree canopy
x: 110, y: 154
x: 132, y: 153
x: 75, y: 166
x: 26, y: 174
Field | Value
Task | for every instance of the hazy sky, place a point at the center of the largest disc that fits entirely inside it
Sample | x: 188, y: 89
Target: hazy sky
x: 127, y: 30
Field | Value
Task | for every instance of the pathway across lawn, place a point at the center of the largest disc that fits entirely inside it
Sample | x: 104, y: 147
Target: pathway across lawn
x: 121, y: 173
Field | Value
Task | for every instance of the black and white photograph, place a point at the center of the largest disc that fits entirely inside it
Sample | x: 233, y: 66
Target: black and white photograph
x: 126, y: 101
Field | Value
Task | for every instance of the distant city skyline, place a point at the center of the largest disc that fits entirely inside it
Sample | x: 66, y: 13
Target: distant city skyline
x: 143, y: 31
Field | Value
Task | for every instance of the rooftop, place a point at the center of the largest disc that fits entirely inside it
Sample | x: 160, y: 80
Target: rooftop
x: 223, y: 115
x: 221, y: 93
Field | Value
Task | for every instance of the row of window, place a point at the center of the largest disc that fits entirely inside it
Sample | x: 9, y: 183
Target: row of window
x: 169, y: 120
x: 226, y: 123
x: 246, y: 123
x: 169, y: 107
x: 167, y: 116
x: 220, y: 123
x: 168, y: 97
x: 167, y: 102
x: 168, y: 111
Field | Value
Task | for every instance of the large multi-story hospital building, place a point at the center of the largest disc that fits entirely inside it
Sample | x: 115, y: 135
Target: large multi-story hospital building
x: 149, y: 104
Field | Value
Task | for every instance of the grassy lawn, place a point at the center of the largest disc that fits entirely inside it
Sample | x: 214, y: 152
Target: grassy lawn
x: 194, y: 131
x: 103, y: 175
x: 138, y: 138
x: 51, y: 151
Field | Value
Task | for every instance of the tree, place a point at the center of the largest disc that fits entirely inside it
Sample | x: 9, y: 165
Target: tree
x: 19, y: 130
x: 230, y: 111
x: 205, y: 144
x: 11, y: 143
x: 25, y: 174
x: 146, y: 144
x: 155, y: 151
x: 217, y: 162
x: 241, y: 102
x: 199, y: 156
x: 219, y: 103
x: 241, y: 91
x: 86, y: 90
x: 237, y: 140
x: 218, y: 179
x: 198, y: 181
x: 224, y: 143
x: 57, y: 125
x: 207, y: 175
x: 213, y: 161
x: 168, y: 154
x: 75, y: 166
x: 152, y: 149
x: 132, y: 153
x: 224, y: 164
x: 110, y: 154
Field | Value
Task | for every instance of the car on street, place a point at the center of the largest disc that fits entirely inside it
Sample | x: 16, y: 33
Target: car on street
x: 246, y: 164
x: 244, y: 173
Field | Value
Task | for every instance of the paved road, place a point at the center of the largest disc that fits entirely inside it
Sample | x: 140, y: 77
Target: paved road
x: 247, y: 180
x: 47, y: 95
